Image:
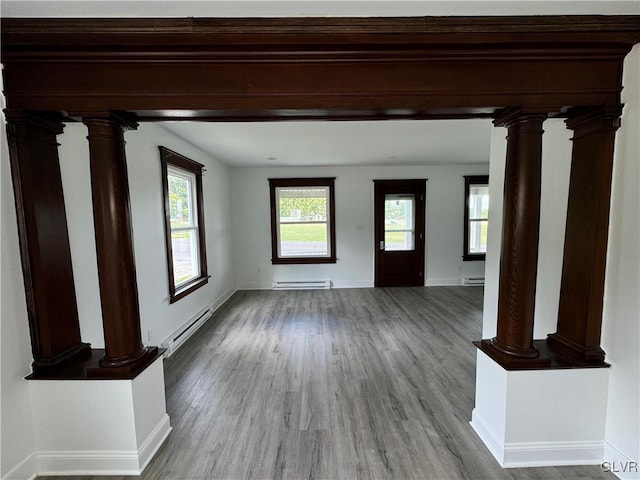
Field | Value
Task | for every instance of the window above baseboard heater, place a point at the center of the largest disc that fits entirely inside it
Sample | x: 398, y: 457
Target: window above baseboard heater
x: 303, y: 285
x: 473, y: 280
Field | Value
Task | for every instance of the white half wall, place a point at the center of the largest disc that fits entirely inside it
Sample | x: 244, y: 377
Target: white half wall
x: 621, y: 318
x: 159, y: 319
x: 354, y: 224
x: 556, y: 166
x: 540, y: 417
x: 99, y: 427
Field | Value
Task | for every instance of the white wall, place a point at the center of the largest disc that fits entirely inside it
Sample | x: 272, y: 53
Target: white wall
x: 16, y: 435
x: 556, y: 165
x: 621, y: 320
x: 497, y: 155
x: 354, y: 224
x: 158, y: 318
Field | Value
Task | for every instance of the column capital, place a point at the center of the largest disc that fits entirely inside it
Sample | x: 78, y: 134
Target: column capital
x: 607, y: 116
x: 509, y: 117
x: 51, y: 122
x: 125, y: 120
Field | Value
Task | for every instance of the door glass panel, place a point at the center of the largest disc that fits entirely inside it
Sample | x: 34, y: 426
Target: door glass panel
x: 399, y: 222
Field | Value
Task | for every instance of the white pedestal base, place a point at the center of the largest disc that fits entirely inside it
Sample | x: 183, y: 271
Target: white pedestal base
x: 99, y: 427
x: 536, y: 418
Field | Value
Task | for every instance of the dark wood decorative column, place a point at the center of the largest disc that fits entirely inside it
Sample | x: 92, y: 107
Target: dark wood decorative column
x: 513, y: 343
x: 585, y: 245
x: 44, y: 241
x: 124, y: 351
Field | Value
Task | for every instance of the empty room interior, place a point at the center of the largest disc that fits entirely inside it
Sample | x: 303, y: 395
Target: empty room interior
x: 320, y: 239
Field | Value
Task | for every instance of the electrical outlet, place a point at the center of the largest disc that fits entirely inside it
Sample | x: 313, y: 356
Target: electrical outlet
x: 149, y: 336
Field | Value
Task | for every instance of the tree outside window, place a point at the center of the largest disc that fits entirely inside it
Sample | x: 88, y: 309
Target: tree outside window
x: 302, y: 220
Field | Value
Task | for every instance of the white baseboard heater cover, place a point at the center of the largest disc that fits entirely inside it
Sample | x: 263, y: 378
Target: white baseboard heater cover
x: 184, y: 332
x: 473, y: 280
x: 303, y: 285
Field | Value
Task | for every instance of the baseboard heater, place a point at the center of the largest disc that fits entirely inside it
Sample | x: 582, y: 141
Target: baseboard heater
x: 473, y: 281
x: 303, y: 285
x: 188, y: 329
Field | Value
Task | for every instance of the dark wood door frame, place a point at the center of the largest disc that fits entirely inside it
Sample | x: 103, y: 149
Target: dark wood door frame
x: 312, y: 68
x: 415, y: 271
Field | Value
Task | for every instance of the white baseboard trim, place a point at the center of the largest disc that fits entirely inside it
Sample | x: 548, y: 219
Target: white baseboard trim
x: 537, y: 454
x: 255, y: 286
x: 222, y: 299
x: 191, y: 326
x: 488, y: 437
x: 336, y: 285
x: 620, y: 464
x: 352, y: 285
x: 153, y: 442
x: 549, y: 454
x: 27, y: 469
x: 114, y: 462
x: 443, y: 282
x: 88, y: 463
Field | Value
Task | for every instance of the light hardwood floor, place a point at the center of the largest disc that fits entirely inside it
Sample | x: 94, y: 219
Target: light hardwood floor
x: 335, y: 384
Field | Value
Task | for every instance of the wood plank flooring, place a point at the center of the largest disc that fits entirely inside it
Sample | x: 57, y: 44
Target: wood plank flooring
x: 333, y: 384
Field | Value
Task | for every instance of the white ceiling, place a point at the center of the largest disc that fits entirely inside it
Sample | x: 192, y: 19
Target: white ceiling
x: 400, y: 142
x: 297, y: 8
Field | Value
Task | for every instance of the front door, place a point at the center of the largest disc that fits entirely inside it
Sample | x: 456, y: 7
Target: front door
x: 399, y: 232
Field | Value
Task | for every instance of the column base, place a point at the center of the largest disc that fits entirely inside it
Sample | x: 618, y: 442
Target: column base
x: 524, y: 353
x: 88, y: 367
x: 148, y: 355
x: 43, y: 366
x: 511, y: 362
x: 551, y: 357
x: 574, y: 350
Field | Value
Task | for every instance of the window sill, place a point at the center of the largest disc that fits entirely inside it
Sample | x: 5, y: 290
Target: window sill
x: 185, y: 290
x: 302, y: 260
x: 474, y: 257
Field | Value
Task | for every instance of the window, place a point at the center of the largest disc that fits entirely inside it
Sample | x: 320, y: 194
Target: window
x: 476, y: 213
x: 184, y: 223
x: 302, y: 220
x: 399, y: 228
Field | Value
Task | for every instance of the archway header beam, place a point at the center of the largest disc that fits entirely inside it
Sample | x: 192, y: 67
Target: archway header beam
x: 332, y: 67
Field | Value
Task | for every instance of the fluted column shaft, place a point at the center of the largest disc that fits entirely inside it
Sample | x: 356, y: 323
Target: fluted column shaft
x: 520, y: 229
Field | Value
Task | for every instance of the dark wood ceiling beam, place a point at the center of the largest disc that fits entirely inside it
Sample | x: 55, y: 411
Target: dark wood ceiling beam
x: 588, y: 29
x: 83, y: 67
